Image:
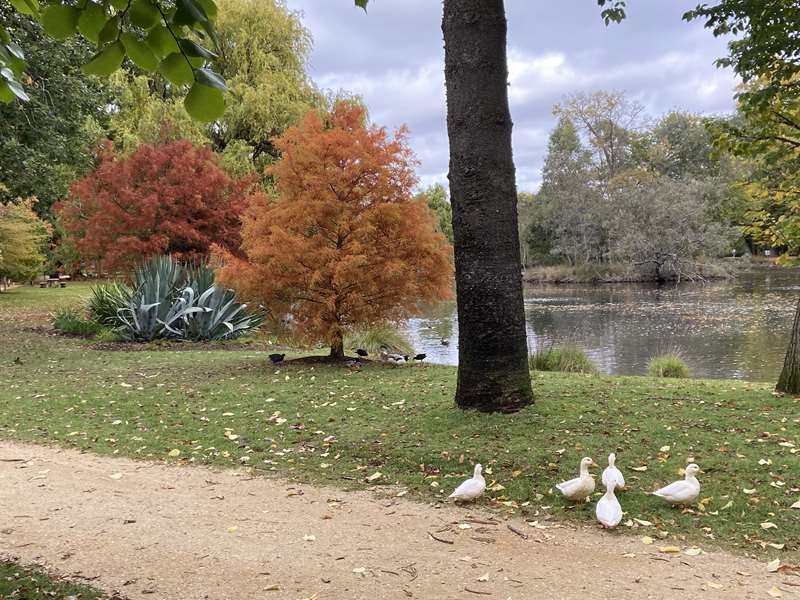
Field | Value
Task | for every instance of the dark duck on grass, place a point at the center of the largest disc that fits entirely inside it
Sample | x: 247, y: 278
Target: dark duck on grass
x: 276, y: 358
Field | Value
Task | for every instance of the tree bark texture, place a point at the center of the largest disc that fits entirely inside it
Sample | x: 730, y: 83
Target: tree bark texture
x: 789, y: 380
x: 493, y: 370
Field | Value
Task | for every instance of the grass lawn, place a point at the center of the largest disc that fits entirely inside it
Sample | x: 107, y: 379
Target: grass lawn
x: 397, y: 429
x: 33, y: 584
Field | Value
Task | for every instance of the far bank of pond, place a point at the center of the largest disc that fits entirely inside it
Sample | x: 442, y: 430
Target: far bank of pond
x: 736, y: 329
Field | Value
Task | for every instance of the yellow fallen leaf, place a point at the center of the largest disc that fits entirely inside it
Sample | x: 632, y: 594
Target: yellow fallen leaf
x: 774, y: 565
x: 777, y: 546
x: 376, y: 475
x: 796, y: 504
x: 174, y: 452
x: 714, y: 586
x: 775, y: 592
x: 749, y: 492
x: 693, y: 551
x: 728, y: 505
x: 669, y: 549
x: 629, y: 555
x: 232, y: 529
x: 768, y: 525
x: 647, y: 540
x: 664, y: 448
x: 642, y: 522
x: 640, y: 469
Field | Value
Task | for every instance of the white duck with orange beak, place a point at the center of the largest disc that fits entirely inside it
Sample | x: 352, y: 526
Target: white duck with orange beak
x: 582, y: 486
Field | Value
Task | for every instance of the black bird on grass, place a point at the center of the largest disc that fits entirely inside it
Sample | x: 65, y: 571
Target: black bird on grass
x: 276, y: 358
x: 420, y: 357
x: 362, y: 352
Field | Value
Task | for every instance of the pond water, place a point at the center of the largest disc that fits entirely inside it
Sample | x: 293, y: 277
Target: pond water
x: 736, y: 329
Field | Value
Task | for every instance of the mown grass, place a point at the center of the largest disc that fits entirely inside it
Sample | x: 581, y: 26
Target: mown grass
x: 34, y: 584
x: 397, y: 429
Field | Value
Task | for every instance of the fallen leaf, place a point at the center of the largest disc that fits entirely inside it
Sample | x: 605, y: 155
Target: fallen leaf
x: 640, y: 469
x: 629, y: 555
x: 484, y: 577
x: 647, y: 540
x: 768, y: 525
x: 232, y: 529
x: 309, y: 538
x: 669, y: 549
x: 664, y: 449
x: 796, y: 504
x: 116, y: 476
x: 748, y: 492
x: 775, y: 592
x: 774, y: 565
x: 359, y: 570
x: 777, y: 546
x: 273, y: 588
x: 464, y: 526
x: 714, y: 586
x: 642, y: 522
x: 174, y: 452
x: 376, y: 475
x: 693, y: 551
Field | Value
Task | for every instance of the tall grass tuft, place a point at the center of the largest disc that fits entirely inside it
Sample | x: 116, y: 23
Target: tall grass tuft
x: 566, y: 359
x: 72, y: 321
x: 668, y: 365
x: 104, y: 302
x: 372, y: 339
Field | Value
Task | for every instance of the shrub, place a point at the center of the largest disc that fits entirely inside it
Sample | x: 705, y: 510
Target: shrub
x: 72, y: 321
x: 668, y: 365
x: 169, y: 301
x: 380, y: 336
x: 566, y: 359
x: 104, y: 302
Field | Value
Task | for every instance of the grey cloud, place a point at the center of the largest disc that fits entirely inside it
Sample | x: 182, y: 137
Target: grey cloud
x: 393, y: 57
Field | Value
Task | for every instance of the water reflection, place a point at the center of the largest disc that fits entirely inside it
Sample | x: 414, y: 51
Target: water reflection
x: 724, y: 330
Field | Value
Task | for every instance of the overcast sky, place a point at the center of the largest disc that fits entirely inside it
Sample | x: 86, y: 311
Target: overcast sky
x: 393, y: 57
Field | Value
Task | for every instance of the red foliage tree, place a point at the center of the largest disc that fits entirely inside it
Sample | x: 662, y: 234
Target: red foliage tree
x: 172, y: 198
x: 345, y: 244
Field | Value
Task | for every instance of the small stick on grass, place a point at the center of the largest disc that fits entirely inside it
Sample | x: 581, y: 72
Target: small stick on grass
x: 517, y: 530
x: 438, y: 539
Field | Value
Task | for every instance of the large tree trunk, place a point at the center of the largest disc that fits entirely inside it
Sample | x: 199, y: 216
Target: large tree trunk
x: 337, y: 344
x: 492, y: 345
x: 789, y: 381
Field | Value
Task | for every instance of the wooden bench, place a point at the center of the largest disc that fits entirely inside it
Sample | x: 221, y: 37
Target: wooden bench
x: 54, y: 282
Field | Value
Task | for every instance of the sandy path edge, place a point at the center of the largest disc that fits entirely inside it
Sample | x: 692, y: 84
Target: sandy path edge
x: 186, y: 533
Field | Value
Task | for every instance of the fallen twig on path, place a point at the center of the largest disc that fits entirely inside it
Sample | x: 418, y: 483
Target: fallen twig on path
x: 517, y: 530
x: 438, y: 539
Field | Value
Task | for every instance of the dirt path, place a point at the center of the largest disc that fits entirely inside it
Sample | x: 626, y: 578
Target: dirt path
x: 190, y: 533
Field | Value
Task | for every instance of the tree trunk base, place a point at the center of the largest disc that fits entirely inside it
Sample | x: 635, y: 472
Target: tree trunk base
x: 789, y: 380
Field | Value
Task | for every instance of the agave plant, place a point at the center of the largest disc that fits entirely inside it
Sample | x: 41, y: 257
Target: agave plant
x: 169, y: 301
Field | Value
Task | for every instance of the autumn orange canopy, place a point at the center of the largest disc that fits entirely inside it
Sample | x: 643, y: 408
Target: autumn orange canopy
x: 344, y: 244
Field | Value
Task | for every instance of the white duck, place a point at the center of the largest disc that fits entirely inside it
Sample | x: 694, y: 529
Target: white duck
x: 471, y: 488
x: 608, y: 509
x: 612, y: 473
x: 582, y: 486
x: 683, y: 491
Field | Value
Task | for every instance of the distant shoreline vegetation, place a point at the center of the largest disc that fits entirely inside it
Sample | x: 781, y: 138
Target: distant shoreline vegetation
x: 600, y: 273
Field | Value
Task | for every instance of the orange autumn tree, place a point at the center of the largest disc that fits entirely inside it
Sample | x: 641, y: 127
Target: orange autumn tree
x: 344, y: 244
x: 170, y: 198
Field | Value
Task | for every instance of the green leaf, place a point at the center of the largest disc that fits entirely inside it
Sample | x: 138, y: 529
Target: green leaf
x: 6, y: 95
x: 119, y: 4
x: 92, y: 21
x: 193, y: 49
x: 209, y: 6
x: 211, y: 79
x: 17, y: 90
x: 60, y: 21
x: 362, y: 4
x: 15, y: 51
x: 204, y: 103
x: 189, y: 12
x: 161, y: 41
x: 143, y: 14
x: 26, y: 7
x: 105, y: 62
x: 139, y: 52
x: 176, y: 70
x: 110, y: 30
